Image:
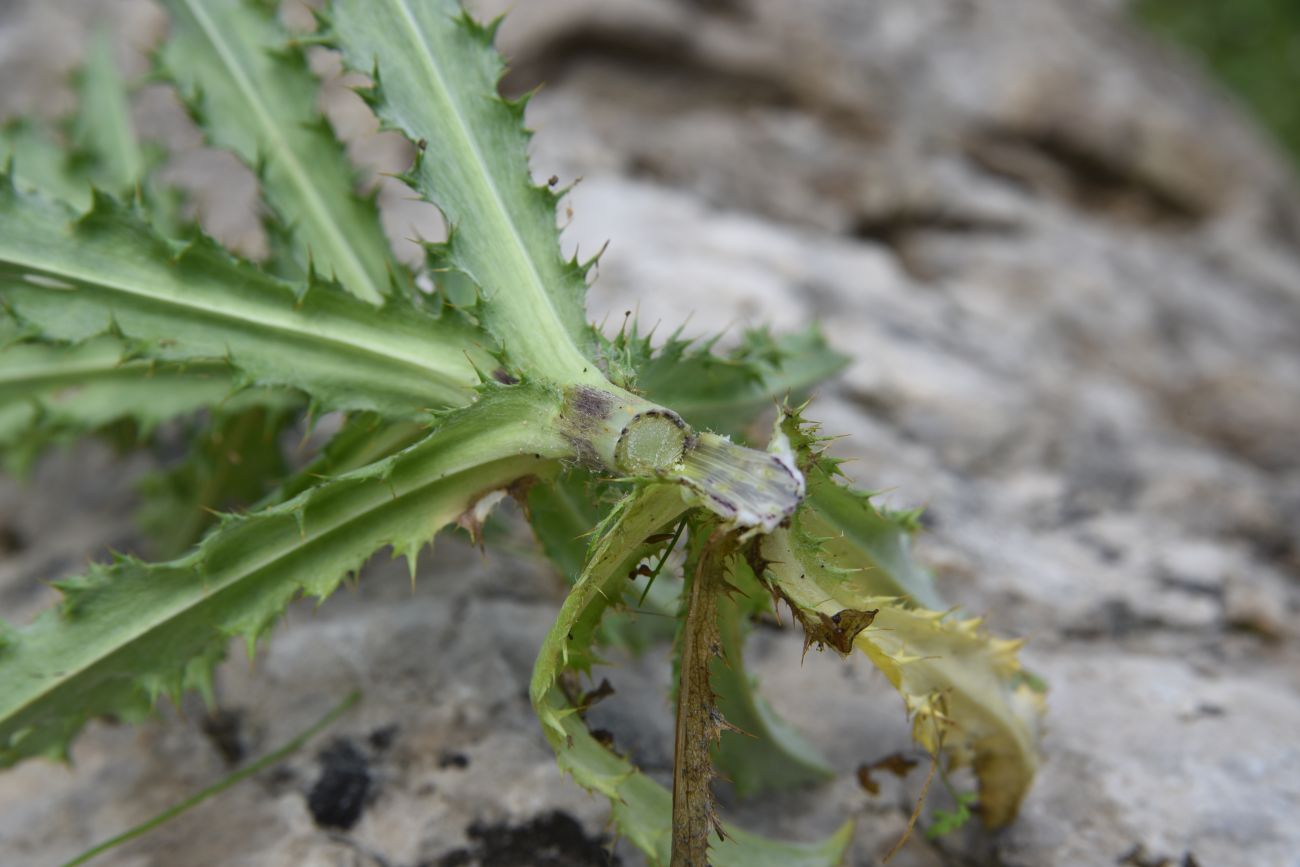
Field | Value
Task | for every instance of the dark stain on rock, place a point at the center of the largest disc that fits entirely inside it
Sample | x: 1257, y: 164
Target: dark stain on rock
x: 550, y: 840
x: 738, y: 10
x: 225, y: 729
x: 11, y: 541
x: 279, y: 780
x: 382, y: 738
x: 1115, y: 620
x: 1058, y: 165
x: 1138, y: 857
x: 338, y: 797
x: 453, y: 759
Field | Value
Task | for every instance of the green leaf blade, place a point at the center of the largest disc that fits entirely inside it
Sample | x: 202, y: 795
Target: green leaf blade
x: 102, y: 133
x: 75, y: 278
x: 364, y: 439
x: 641, y: 808
x: 129, y: 632
x: 770, y: 755
x: 563, y: 514
x: 873, y: 545
x: 723, y: 393
x: 961, y: 687
x: 842, y: 562
x: 436, y: 81
x: 51, y: 392
x: 35, y: 160
x: 252, y: 92
x: 853, y: 530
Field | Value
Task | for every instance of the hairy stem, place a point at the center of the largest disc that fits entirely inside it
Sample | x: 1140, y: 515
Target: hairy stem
x: 699, y: 724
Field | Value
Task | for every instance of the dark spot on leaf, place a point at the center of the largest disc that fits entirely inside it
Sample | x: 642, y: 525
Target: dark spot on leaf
x: 504, y: 377
x: 453, y: 759
x: 590, y: 403
x: 339, y: 795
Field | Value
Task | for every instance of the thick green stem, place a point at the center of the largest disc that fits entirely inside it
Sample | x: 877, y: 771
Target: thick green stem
x: 616, y: 431
x: 747, y: 488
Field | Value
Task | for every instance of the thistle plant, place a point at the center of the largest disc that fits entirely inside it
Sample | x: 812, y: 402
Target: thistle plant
x: 471, y: 379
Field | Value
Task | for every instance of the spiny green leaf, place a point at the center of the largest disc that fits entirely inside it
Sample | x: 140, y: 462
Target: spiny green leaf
x: 364, y: 439
x: 724, y: 393
x: 641, y: 808
x: 105, y: 148
x: 959, y: 685
x: 850, y: 529
x: 249, y: 87
x: 846, y: 571
x: 129, y: 632
x: 436, y: 75
x: 107, y: 271
x: 102, y: 149
x: 51, y: 392
x: 37, y: 161
x: 102, y: 135
x: 563, y: 513
x: 768, y: 753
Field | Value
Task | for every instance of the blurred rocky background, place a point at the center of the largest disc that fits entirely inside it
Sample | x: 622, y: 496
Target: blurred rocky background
x: 1066, y: 264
